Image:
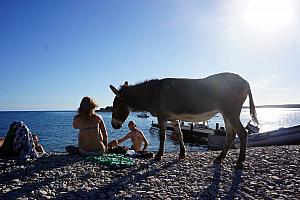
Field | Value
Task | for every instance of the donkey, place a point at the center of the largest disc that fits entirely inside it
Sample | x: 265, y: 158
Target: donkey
x: 174, y: 99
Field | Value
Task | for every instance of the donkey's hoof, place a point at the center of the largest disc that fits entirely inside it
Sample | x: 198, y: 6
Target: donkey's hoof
x: 181, y: 156
x: 239, y: 166
x: 218, y: 161
x: 157, y: 157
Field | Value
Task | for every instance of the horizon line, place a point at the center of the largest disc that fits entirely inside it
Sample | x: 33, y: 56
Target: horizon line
x: 70, y: 110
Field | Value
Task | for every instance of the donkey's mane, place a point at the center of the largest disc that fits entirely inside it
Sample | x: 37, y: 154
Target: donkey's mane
x: 141, y: 83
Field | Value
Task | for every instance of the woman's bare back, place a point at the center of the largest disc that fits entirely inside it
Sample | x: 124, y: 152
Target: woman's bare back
x: 90, y: 137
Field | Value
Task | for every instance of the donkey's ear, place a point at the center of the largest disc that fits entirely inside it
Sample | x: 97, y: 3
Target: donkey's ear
x: 115, y: 90
x: 126, y: 84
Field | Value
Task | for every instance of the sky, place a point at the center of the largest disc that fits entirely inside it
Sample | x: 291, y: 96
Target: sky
x: 55, y: 52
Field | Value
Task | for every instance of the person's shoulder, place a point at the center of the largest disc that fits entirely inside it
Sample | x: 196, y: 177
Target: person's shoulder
x: 138, y: 130
x: 98, y: 117
x: 76, y: 117
x: 76, y: 121
x: 130, y: 133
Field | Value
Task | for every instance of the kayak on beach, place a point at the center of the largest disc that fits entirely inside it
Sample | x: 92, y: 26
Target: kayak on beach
x: 281, y: 136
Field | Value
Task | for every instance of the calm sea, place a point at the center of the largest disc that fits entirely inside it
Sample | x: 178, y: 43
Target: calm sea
x: 55, y: 127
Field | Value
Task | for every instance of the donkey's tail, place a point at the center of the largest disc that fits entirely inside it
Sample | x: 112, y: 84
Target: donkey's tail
x: 252, y: 107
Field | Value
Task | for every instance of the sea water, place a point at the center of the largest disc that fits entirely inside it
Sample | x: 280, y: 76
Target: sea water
x: 55, y: 130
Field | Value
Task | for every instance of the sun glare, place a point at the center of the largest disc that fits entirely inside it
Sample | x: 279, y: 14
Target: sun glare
x: 269, y: 15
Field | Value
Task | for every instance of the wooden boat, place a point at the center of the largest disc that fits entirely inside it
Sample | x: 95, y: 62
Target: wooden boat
x: 282, y: 136
x: 195, y: 134
x: 142, y: 115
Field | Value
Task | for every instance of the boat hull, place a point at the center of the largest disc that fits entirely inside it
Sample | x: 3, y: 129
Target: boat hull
x: 142, y: 115
x: 282, y: 136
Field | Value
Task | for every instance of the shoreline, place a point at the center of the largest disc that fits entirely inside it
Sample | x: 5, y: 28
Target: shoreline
x: 269, y: 173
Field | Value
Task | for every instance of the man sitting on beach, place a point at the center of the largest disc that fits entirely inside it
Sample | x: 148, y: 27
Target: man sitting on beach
x: 137, y: 138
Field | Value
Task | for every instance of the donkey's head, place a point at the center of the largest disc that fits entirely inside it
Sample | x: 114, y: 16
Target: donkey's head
x: 121, y: 109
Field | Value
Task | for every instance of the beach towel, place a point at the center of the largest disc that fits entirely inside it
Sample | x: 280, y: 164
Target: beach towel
x: 139, y: 154
x: 113, y: 161
x: 129, y: 153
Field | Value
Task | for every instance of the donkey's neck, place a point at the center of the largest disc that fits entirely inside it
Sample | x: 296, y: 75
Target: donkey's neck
x: 144, y: 96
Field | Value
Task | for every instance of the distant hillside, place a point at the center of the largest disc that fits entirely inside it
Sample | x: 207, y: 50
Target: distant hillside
x: 277, y: 106
x: 106, y: 109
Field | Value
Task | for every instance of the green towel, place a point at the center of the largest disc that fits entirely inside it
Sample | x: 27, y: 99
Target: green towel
x: 114, y: 161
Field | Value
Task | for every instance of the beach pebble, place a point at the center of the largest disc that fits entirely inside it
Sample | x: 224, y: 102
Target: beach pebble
x: 269, y: 173
x: 16, y: 180
x: 42, y: 192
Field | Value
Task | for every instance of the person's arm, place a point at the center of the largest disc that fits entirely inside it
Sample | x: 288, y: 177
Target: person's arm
x: 123, y: 139
x: 146, y: 143
x: 113, y: 143
x: 75, y: 122
x: 42, y: 149
x: 104, y: 133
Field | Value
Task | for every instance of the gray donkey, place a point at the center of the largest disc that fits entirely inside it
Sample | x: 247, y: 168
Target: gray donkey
x: 193, y: 100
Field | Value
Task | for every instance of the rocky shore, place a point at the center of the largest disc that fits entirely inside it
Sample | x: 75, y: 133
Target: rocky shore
x: 269, y: 173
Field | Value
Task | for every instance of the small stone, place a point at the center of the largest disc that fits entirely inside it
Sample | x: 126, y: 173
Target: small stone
x: 16, y: 180
x: 42, y: 192
x: 140, y: 191
x: 275, y: 177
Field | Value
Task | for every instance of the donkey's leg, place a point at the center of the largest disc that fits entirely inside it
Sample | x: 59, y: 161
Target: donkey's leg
x: 162, y: 137
x: 178, y: 132
x: 240, y: 130
x: 230, y: 135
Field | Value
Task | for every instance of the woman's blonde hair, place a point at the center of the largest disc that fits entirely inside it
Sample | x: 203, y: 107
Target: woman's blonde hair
x: 87, y: 107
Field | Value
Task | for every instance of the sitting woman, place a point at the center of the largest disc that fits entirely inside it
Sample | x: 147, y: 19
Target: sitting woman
x: 38, y: 147
x: 92, y: 138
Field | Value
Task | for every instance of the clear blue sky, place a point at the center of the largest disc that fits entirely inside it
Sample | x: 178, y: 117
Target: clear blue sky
x: 54, y: 52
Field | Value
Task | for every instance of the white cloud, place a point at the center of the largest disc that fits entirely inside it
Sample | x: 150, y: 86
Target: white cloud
x: 265, y: 83
x: 270, y: 90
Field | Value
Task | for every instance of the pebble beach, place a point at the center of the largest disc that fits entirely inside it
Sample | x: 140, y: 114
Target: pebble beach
x: 269, y: 173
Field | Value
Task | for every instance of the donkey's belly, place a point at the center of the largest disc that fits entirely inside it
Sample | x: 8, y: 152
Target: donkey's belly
x: 193, y: 117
